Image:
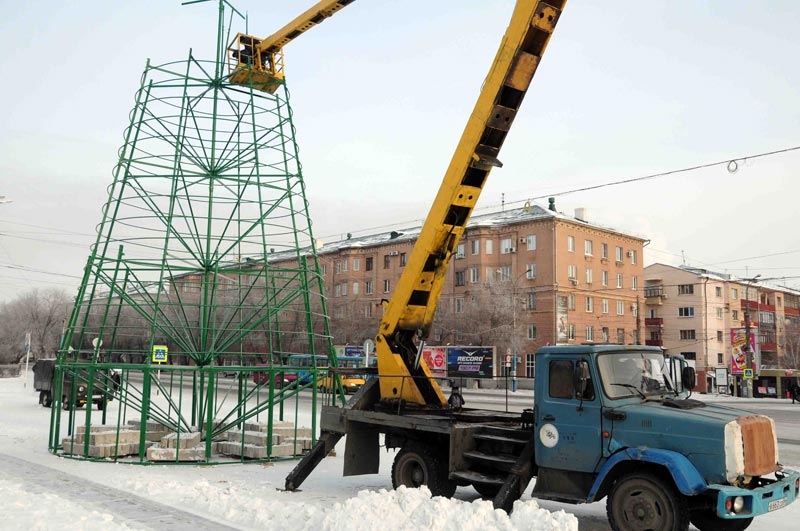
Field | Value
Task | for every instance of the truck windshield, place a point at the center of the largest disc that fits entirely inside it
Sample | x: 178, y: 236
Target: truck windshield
x: 626, y: 374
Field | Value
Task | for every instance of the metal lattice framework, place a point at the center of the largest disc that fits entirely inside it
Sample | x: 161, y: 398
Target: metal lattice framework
x: 208, y: 186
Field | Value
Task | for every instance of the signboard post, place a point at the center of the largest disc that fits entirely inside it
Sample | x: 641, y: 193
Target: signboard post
x: 739, y: 352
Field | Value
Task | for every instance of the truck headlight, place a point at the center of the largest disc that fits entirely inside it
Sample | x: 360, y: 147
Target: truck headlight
x: 738, y: 504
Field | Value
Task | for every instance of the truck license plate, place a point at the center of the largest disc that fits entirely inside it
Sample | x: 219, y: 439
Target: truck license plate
x: 777, y: 504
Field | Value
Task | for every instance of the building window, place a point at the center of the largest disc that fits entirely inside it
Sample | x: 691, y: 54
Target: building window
x: 589, y: 275
x: 460, y: 252
x: 368, y: 287
x: 530, y: 271
x: 489, y: 246
x: 337, y: 290
x: 719, y: 335
x: 571, y: 332
x: 687, y: 334
x: 689, y: 355
x: 621, y: 336
x: 356, y: 264
x: 735, y: 315
x: 531, y: 302
x: 337, y: 266
x: 531, y: 241
x: 605, y: 334
x: 355, y: 288
x: 476, y: 246
x: 506, y: 246
x: 634, y: 282
x: 572, y: 272
x: 618, y: 251
x: 734, y: 293
x: 459, y: 305
x: 605, y: 305
x: 344, y: 265
x: 461, y: 278
x: 719, y: 313
x: 505, y: 273
x: 605, y: 278
x: 720, y: 359
x: 686, y: 289
x: 368, y: 263
x: 687, y: 311
x: 530, y: 365
x: 489, y: 274
x: 619, y: 280
x: 324, y: 269
x: 780, y: 303
x: 604, y: 251
x: 387, y: 261
x: 571, y: 301
x: 571, y: 243
x: 589, y: 333
x: 620, y: 308
x: 718, y: 291
x: 589, y: 304
x: 633, y: 256
x: 587, y: 247
x: 368, y: 310
x: 531, y: 331
x: 402, y: 259
x: 474, y: 275
x: 344, y: 289
x: 386, y: 286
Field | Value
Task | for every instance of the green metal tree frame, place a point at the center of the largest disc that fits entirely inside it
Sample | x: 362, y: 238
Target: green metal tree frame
x: 208, y: 188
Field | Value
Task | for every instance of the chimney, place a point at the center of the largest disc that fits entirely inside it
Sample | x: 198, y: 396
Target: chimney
x: 582, y: 214
x: 552, y: 201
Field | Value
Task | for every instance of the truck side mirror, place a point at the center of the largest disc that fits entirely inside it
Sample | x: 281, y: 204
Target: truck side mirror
x: 689, y: 377
x: 580, y: 378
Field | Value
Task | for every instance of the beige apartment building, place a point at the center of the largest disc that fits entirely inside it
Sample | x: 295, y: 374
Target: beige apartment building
x: 691, y: 311
x: 520, y: 279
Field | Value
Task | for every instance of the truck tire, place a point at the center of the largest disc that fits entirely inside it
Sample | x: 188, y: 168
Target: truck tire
x: 707, y: 520
x: 417, y: 465
x: 644, y: 501
x: 487, y: 490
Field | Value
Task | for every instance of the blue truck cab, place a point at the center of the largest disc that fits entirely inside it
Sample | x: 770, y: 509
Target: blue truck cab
x: 618, y: 421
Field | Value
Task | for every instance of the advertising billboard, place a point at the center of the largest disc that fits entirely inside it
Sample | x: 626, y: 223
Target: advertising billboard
x: 562, y: 330
x: 436, y: 360
x: 738, y: 355
x: 470, y: 362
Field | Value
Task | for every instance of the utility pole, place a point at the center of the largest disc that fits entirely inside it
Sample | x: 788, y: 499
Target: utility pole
x: 747, y: 350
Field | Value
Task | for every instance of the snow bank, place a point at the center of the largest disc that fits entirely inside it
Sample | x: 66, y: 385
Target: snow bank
x: 390, y: 510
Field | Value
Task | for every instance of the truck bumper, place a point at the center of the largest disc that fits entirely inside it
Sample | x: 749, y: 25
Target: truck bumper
x: 770, y: 497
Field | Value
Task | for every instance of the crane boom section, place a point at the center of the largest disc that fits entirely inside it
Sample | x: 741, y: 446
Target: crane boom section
x: 410, y: 312
x: 310, y: 18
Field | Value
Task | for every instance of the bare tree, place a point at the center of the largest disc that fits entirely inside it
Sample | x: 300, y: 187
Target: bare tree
x: 791, y: 344
x: 40, y: 312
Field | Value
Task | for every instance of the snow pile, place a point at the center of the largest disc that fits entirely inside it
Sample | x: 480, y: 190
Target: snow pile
x: 24, y: 509
x: 394, y: 510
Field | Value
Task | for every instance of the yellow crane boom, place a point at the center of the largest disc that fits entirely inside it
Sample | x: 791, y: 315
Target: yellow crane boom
x: 259, y: 62
x: 409, y: 314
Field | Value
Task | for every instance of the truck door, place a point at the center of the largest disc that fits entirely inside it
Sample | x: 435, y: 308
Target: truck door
x: 568, y: 430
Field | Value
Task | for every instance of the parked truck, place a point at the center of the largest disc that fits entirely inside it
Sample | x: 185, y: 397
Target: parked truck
x: 613, y: 421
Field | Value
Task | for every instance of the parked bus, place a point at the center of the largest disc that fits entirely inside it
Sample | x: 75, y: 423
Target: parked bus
x: 305, y: 362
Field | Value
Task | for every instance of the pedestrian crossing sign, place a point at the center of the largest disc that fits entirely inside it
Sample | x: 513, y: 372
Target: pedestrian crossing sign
x: 748, y: 374
x: 160, y: 353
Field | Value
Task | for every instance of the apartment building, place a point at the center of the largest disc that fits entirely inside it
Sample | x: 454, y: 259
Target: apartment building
x: 692, y: 312
x: 520, y: 279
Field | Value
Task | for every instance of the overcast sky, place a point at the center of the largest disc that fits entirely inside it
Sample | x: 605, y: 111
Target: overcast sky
x: 381, y: 93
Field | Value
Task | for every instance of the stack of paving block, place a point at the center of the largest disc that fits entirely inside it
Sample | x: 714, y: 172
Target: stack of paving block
x: 154, y: 433
x: 287, y: 441
x: 104, y: 441
x: 178, y: 447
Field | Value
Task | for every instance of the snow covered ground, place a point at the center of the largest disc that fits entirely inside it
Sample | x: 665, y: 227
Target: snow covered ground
x: 41, y: 491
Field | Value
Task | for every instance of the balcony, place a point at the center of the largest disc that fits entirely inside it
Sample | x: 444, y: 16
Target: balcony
x: 654, y: 295
x: 653, y: 342
x: 654, y: 321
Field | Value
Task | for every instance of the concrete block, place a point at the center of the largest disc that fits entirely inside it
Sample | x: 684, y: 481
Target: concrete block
x: 185, y: 440
x: 249, y: 451
x: 172, y: 454
x: 252, y: 437
x: 284, y: 450
x: 302, y: 443
x: 291, y: 433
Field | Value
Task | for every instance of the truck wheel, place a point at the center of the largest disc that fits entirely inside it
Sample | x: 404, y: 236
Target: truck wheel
x: 487, y: 490
x: 644, y: 501
x: 417, y: 465
x: 707, y: 520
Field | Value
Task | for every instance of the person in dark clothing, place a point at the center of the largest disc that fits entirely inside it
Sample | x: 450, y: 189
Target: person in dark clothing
x: 794, y: 391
